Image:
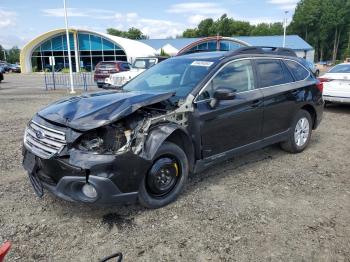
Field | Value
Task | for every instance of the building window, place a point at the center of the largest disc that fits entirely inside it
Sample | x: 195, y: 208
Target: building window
x: 91, y: 50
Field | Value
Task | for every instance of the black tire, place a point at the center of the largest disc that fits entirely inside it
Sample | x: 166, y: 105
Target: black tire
x: 100, y: 85
x: 149, y: 199
x: 291, y: 145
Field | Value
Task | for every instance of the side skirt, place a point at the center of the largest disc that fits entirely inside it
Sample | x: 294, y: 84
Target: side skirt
x: 205, y: 163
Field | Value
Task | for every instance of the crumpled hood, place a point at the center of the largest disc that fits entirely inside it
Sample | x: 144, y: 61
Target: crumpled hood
x: 90, y: 111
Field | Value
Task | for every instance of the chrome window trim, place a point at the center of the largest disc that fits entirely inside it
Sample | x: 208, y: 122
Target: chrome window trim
x: 195, y: 101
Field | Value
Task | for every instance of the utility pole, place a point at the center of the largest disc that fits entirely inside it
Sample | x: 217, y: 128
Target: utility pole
x: 68, y: 47
x: 285, y: 28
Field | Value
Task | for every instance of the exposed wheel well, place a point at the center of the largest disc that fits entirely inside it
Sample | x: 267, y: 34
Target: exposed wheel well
x: 312, y: 112
x: 181, y: 139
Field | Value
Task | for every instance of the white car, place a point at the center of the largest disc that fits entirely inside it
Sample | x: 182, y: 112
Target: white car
x: 336, y: 84
x: 140, y: 65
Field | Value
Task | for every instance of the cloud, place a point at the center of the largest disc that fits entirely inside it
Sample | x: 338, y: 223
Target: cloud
x: 8, y: 18
x: 196, y: 19
x: 154, y: 28
x: 79, y: 12
x: 8, y: 41
x: 284, y: 4
x: 201, y: 8
x: 194, y: 12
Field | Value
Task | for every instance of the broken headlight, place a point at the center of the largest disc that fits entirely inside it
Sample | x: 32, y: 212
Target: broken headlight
x: 107, y: 139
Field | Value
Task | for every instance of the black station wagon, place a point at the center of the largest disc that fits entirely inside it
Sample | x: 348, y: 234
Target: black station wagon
x: 179, y: 117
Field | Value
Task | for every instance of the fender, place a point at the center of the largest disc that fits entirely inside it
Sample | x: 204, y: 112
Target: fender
x: 156, y: 137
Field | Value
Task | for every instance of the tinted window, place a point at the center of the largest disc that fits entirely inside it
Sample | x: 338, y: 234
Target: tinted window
x: 271, y: 73
x: 299, y: 72
x: 340, y: 69
x: 237, y: 76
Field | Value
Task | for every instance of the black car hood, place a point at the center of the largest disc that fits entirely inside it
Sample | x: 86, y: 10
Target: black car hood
x: 91, y: 111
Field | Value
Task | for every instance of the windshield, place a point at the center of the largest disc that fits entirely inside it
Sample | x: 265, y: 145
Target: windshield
x: 178, y: 75
x: 144, y: 63
x: 340, y: 69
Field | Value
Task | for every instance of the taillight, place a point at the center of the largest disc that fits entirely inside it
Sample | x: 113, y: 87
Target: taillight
x: 319, y: 85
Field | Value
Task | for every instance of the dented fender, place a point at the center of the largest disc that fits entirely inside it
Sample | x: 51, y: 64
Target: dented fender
x: 156, y: 137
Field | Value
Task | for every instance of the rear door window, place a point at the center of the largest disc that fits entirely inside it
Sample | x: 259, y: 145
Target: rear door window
x: 272, y: 73
x: 299, y: 72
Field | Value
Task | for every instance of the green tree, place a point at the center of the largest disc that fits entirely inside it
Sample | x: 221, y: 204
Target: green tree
x: 204, y: 27
x: 163, y: 53
x: 324, y: 24
x: 116, y: 32
x: 190, y: 33
x: 132, y: 33
x: 13, y: 55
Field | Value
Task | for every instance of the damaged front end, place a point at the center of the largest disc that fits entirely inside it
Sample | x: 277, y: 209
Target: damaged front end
x: 98, y: 148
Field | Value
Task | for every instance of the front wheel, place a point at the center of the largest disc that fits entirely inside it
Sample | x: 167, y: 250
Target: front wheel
x: 300, y: 134
x: 166, y: 178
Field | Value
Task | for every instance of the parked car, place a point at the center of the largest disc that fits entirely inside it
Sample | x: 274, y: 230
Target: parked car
x: 1, y: 75
x: 14, y: 68
x: 336, y: 84
x: 180, y: 116
x: 140, y: 65
x: 104, y: 69
x: 5, y: 66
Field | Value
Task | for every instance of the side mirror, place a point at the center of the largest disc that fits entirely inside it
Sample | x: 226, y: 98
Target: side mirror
x: 223, y: 93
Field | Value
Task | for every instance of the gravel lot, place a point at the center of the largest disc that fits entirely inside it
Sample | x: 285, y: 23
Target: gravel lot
x: 265, y: 206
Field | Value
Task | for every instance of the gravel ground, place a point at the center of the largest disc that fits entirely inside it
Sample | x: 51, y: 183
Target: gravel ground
x: 264, y: 206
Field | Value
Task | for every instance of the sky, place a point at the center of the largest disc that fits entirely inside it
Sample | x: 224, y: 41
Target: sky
x: 23, y: 20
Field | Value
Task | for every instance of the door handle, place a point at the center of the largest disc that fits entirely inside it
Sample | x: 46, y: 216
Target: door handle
x: 256, y: 103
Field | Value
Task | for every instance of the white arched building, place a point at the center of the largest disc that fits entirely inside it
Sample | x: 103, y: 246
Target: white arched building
x: 87, y: 49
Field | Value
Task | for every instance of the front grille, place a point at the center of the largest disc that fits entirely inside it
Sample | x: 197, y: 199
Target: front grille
x: 44, y: 141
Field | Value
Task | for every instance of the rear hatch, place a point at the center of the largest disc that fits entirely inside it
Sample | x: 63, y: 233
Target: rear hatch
x: 336, y: 84
x: 104, y: 69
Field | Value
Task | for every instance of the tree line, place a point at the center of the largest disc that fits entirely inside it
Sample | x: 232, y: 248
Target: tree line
x: 132, y: 33
x: 226, y: 26
x: 325, y: 24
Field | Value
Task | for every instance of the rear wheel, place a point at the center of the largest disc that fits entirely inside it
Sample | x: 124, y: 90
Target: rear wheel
x: 100, y: 85
x: 300, y: 134
x: 166, y: 178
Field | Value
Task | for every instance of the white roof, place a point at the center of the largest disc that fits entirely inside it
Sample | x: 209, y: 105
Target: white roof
x: 169, y: 49
x: 131, y: 47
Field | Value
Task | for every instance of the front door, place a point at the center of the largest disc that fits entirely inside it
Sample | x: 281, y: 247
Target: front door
x: 230, y: 123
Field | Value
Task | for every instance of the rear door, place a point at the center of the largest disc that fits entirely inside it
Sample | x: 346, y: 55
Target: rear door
x: 278, y: 87
x: 231, y: 123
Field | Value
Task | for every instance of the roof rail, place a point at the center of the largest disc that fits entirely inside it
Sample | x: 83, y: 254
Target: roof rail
x: 264, y: 50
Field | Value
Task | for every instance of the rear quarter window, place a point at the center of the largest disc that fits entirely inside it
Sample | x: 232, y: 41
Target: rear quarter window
x: 272, y: 73
x: 299, y: 72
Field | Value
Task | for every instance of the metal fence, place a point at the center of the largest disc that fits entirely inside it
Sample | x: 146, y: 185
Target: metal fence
x: 83, y: 80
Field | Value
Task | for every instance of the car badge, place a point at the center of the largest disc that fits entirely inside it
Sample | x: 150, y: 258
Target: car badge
x: 39, y: 134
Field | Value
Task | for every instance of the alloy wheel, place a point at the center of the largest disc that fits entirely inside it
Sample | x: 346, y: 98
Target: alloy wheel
x: 301, y: 132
